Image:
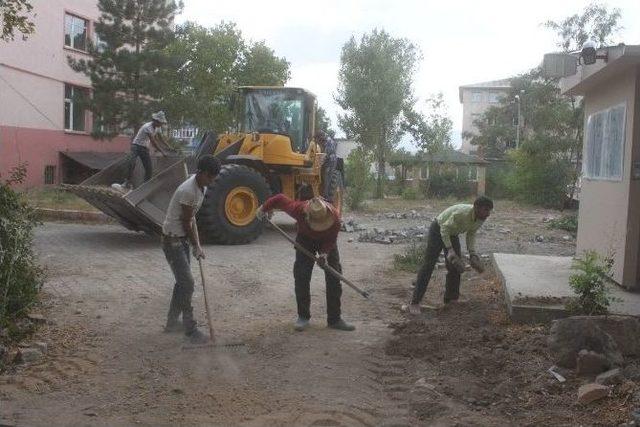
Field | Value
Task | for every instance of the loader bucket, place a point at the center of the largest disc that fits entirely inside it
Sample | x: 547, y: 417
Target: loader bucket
x: 142, y: 209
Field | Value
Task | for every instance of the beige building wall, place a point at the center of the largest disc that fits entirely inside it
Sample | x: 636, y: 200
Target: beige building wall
x: 609, y: 217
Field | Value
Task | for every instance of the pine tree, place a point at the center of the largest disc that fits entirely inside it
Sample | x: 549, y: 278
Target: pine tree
x: 125, y: 59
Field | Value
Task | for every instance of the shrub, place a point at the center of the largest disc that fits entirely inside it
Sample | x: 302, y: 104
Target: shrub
x: 589, y: 283
x: 412, y: 258
x: 567, y: 223
x: 497, y: 180
x: 445, y: 183
x: 20, y: 276
x: 538, y: 176
x: 359, y: 178
x: 409, y: 193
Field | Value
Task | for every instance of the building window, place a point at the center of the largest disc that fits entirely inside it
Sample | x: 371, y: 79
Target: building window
x: 494, y: 98
x: 476, y: 96
x: 75, y: 32
x: 49, y: 174
x: 73, y: 111
x: 605, y: 143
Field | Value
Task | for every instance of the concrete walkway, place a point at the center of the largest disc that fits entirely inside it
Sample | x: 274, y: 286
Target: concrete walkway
x: 537, y: 287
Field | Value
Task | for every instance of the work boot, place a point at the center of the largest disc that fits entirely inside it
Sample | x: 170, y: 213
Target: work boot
x: 197, y: 337
x: 341, y: 325
x: 173, y: 325
x: 301, y: 324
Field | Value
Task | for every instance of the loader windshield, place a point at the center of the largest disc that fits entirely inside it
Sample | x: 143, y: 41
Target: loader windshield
x: 276, y: 111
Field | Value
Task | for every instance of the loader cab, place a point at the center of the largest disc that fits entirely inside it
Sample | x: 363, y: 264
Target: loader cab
x: 277, y: 110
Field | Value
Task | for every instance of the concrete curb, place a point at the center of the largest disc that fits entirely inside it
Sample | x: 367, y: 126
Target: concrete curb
x: 46, y: 214
x: 529, y: 314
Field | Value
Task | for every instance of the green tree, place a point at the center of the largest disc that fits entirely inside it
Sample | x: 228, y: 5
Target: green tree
x: 14, y: 17
x: 547, y: 162
x: 431, y: 132
x: 596, y: 22
x: 375, y: 89
x: 261, y: 67
x: 323, y: 122
x: 210, y: 64
x: 133, y: 37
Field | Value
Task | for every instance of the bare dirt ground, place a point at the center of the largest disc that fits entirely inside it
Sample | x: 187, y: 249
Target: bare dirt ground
x: 109, y: 363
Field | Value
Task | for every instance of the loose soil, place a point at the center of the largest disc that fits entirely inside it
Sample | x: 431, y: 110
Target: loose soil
x: 108, y: 362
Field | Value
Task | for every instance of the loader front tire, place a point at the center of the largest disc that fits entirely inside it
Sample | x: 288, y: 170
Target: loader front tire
x: 228, y: 212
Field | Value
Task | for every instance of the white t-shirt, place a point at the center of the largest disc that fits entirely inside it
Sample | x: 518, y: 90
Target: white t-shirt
x: 144, y: 134
x: 188, y: 193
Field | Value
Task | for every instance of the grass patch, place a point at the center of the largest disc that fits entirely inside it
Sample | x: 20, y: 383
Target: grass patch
x: 567, y: 223
x: 412, y: 258
x: 54, y: 198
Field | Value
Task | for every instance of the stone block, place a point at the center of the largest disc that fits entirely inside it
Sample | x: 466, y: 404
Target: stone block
x: 590, y: 362
x: 591, y: 392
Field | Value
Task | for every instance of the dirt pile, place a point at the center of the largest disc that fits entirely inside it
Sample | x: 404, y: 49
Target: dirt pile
x: 484, y: 370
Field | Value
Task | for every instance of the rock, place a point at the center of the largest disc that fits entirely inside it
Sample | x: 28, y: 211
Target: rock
x: 41, y: 345
x: 611, y: 377
x: 383, y: 240
x: 539, y: 238
x: 36, y: 317
x: 591, y: 392
x: 590, y: 362
x: 566, y: 238
x: 570, y: 335
x: 28, y: 355
x: 350, y: 240
x: 504, y: 231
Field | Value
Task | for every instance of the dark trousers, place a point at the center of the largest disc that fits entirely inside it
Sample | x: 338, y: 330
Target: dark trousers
x: 328, y: 169
x: 176, y: 250
x: 302, y: 269
x: 145, y: 158
x: 435, y: 245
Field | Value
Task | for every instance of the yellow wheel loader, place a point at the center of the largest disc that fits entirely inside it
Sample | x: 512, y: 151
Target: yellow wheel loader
x: 270, y: 151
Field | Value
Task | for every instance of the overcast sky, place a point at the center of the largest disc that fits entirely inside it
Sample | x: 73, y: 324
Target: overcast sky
x: 462, y: 42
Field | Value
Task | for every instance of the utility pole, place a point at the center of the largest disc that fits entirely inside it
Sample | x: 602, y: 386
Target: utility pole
x: 518, y: 102
x: 517, y: 97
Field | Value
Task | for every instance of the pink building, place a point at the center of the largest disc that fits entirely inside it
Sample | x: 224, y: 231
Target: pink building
x: 39, y: 123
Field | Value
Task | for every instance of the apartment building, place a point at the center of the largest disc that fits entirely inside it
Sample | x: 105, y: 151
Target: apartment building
x: 476, y: 99
x: 40, y: 124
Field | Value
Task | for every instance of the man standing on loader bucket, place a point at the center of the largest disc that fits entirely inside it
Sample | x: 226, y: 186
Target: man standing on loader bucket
x: 178, y: 232
x: 330, y: 149
x: 318, y: 227
x: 444, y: 235
x: 148, y: 134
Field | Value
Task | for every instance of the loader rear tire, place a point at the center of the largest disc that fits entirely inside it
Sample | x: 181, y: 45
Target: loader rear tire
x: 227, y: 215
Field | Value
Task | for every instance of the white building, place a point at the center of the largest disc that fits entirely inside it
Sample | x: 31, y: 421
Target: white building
x: 476, y: 99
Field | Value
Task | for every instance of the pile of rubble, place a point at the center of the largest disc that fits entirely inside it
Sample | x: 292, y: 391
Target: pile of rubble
x: 412, y: 214
x: 387, y: 237
x: 596, y: 348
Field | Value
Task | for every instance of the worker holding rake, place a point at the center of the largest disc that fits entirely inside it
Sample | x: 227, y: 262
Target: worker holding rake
x: 318, y: 227
x: 179, y: 233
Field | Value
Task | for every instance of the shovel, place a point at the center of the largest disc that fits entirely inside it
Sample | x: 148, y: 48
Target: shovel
x: 326, y: 267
